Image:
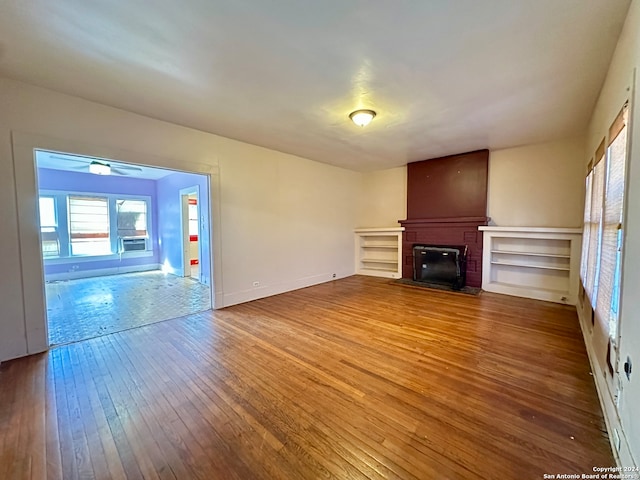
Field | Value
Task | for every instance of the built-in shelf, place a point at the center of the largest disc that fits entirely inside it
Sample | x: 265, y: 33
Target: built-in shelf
x: 391, y: 246
x: 533, y: 262
x: 531, y: 254
x: 526, y: 265
x: 524, y: 290
x: 378, y: 260
x: 383, y: 271
x: 379, y: 251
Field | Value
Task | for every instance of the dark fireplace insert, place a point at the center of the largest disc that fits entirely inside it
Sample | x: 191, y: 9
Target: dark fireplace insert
x: 440, y: 264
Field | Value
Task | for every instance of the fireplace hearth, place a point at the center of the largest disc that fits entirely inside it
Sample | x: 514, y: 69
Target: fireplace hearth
x: 440, y: 264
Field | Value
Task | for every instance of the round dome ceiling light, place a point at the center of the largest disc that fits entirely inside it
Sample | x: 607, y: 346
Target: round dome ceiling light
x: 362, y: 118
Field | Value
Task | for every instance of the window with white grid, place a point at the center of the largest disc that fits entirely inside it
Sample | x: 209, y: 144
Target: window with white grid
x: 89, y: 225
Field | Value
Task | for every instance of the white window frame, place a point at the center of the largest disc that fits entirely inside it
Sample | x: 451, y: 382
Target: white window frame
x: 53, y: 226
x: 61, y: 197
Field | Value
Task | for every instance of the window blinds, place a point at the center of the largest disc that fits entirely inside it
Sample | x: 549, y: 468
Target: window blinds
x: 89, y: 225
x: 595, y: 217
x: 586, y: 225
x: 612, y: 222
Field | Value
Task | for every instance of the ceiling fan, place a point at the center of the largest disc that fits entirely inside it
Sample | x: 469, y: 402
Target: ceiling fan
x: 97, y: 166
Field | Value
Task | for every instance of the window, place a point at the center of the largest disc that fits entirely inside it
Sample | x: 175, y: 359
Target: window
x: 89, y: 225
x: 82, y: 224
x: 604, y: 209
x: 132, y: 218
x: 595, y: 219
x: 586, y: 230
x: 47, y: 212
x: 49, y: 227
x: 610, y: 256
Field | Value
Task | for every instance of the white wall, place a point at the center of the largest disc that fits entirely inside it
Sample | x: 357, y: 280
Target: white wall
x: 278, y: 219
x: 286, y: 222
x: 13, y: 340
x: 383, y: 198
x: 537, y: 185
x: 613, y: 94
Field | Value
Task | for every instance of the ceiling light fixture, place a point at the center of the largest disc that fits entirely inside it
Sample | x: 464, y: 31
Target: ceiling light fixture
x: 98, y: 168
x: 362, y: 118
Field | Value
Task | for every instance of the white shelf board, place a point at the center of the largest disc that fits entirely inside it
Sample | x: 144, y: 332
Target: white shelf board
x: 392, y: 230
x: 381, y: 269
x: 546, y: 294
x: 527, y: 287
x: 530, y: 254
x: 378, y: 273
x: 526, y: 265
x: 379, y: 260
x: 548, y: 230
x: 393, y: 246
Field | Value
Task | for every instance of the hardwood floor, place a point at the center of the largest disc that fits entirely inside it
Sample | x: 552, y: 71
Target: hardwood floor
x: 357, y: 378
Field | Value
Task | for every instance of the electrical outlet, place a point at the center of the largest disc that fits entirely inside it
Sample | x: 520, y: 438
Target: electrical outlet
x: 256, y: 284
x: 627, y: 368
x: 334, y: 275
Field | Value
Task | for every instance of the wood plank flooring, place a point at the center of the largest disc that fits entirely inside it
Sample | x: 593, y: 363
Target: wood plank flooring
x: 354, y: 379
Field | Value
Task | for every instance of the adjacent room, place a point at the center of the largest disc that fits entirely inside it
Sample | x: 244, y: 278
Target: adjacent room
x: 121, y: 245
x: 341, y: 240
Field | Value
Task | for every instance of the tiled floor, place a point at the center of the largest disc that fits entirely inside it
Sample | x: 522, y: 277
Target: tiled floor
x: 89, y: 307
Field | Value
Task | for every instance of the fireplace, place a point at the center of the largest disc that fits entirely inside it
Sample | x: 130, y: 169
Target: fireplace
x: 446, y: 203
x: 440, y: 264
x: 445, y: 231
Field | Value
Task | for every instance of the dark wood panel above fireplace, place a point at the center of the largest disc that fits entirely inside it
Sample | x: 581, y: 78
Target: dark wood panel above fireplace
x: 448, y: 187
x: 446, y: 203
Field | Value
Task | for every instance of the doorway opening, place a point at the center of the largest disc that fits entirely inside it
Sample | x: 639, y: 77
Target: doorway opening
x: 191, y: 223
x: 112, y: 245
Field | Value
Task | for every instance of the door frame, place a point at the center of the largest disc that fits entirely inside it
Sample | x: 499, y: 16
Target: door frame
x: 26, y: 184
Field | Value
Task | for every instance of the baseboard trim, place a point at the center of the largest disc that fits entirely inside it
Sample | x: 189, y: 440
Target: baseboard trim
x: 624, y: 458
x: 235, y: 298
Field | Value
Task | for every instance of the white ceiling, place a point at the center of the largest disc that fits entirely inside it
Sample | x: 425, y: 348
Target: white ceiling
x: 445, y: 76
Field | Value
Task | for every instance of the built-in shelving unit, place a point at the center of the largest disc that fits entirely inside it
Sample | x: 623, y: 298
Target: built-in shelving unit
x: 532, y: 262
x: 379, y: 251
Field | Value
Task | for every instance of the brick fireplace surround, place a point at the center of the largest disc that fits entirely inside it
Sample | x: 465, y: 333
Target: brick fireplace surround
x: 446, y: 203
